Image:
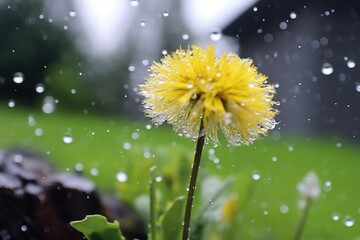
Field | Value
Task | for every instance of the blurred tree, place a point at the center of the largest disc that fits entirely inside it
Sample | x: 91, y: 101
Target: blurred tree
x: 29, y: 45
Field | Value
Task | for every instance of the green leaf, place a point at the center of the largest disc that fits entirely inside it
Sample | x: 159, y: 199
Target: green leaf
x: 171, y: 220
x: 96, y: 227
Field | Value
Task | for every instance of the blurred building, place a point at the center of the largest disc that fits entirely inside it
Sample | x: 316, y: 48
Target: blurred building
x: 311, y: 49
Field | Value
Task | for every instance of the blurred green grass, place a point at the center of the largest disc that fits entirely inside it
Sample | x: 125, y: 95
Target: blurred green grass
x: 106, y: 145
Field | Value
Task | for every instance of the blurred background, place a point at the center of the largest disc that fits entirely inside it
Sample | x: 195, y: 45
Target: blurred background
x: 69, y: 75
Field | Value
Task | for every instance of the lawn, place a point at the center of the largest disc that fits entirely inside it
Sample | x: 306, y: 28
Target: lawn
x: 117, y: 152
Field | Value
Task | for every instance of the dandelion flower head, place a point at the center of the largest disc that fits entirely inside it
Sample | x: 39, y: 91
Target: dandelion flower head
x: 192, y: 87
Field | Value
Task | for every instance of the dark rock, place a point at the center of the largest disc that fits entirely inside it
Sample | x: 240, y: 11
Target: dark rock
x: 38, y: 203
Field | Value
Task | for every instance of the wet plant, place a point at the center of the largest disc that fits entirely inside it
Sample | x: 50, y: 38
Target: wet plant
x: 199, y: 93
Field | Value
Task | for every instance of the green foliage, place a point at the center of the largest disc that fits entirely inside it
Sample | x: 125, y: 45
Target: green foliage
x: 96, y: 227
x: 170, y: 221
x: 249, y: 208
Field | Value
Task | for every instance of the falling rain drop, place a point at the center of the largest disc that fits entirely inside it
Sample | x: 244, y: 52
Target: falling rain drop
x: 284, y: 209
x: 335, y: 216
x: 18, y: 77
x: 121, y: 177
x: 24, y: 228
x: 72, y: 14
x: 127, y: 146
x: 11, y: 103
x: 256, y: 176
x: 293, y: 15
x: 38, y: 132
x: 327, y: 69
x: 350, y: 64
x: 48, y: 105
x: 358, y: 88
x: 216, y: 35
x: 349, y: 221
x: 94, y: 171
x: 185, y: 36
x: 142, y: 23
x: 40, y: 88
x: 68, y: 138
x: 166, y: 14
x: 134, y: 3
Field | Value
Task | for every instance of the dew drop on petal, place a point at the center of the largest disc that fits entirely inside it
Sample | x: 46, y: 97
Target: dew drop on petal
x: 327, y: 69
x: 18, y: 77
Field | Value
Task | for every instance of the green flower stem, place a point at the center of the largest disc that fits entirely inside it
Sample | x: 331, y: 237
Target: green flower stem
x: 303, y: 218
x: 152, y: 191
x: 192, y: 185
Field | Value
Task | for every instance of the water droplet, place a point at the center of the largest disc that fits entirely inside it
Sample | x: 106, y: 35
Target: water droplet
x: 48, y: 105
x: 11, y: 103
x: 358, y: 88
x: 94, y: 171
x: 327, y: 186
x: 135, y: 135
x: 327, y: 69
x: 72, y: 14
x: 293, y: 15
x: 134, y: 3
x: 131, y: 68
x: 121, y: 177
x: 127, y: 146
x: 166, y: 14
x: 284, y: 209
x: 255, y: 9
x: 335, y: 216
x: 39, y: 88
x: 290, y: 148
x: 79, y: 167
x: 148, y: 126
x: 142, y: 23
x: 349, y: 221
x: 283, y: 25
x: 73, y: 91
x: 350, y: 64
x: 24, y: 228
x: 18, y: 77
x: 158, y: 178
x: 185, y: 36
x: 38, y: 132
x: 31, y: 121
x: 338, y: 144
x: 274, y: 159
x: 164, y: 52
x: 256, y: 176
x: 68, y: 138
x: 216, y: 35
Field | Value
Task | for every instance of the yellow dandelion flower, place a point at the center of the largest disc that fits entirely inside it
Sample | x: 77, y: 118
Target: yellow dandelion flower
x: 226, y: 93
